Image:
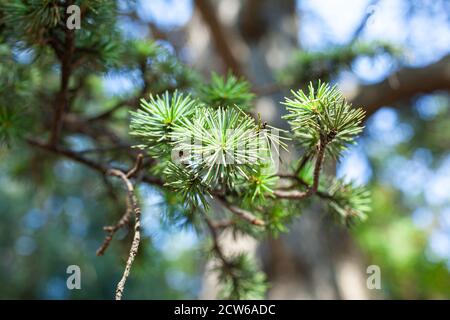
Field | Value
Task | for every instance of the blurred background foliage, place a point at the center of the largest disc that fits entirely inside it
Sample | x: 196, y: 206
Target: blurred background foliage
x: 52, y: 210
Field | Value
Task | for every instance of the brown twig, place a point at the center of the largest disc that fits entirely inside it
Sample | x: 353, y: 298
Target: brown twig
x: 219, y: 36
x: 296, y: 194
x: 132, y: 203
x: 362, y: 24
x: 302, y: 163
x: 105, y: 149
x: 137, y: 166
x: 62, y: 98
x: 75, y: 156
x: 215, y: 237
x: 69, y: 154
x: 106, y: 114
x: 111, y: 230
x: 133, y: 207
x: 302, y: 182
x: 241, y: 213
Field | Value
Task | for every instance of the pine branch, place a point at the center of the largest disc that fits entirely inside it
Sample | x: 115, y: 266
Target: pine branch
x: 300, y: 181
x: 298, y: 195
x: 215, y: 237
x: 111, y: 230
x: 133, y: 207
x: 362, y: 24
x: 219, y: 36
x: 69, y: 154
x: 306, y: 157
x: 62, y: 99
x: 227, y: 91
x: 241, y: 213
x: 241, y: 279
x: 108, y: 113
x: 97, y: 166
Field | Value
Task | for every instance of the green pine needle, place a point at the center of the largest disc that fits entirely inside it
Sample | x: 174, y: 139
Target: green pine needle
x: 155, y: 120
x: 222, y: 145
x: 323, y: 114
x: 241, y: 279
x: 188, y: 184
x: 227, y: 92
x: 349, y: 201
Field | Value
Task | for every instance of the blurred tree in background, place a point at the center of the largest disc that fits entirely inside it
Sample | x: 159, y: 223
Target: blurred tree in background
x: 389, y: 57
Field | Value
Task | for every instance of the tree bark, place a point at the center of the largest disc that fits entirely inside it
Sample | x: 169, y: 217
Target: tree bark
x: 404, y: 84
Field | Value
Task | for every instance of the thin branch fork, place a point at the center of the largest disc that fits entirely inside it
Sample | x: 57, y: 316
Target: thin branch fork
x: 111, y: 230
x: 298, y: 195
x: 241, y: 213
x: 126, y: 217
x: 132, y: 203
x: 302, y: 182
x: 132, y: 207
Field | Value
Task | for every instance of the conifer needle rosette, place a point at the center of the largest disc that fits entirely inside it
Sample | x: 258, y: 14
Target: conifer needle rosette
x: 219, y: 148
x: 324, y: 115
x: 349, y: 201
x: 227, y: 92
x: 223, y: 145
x: 156, y: 118
x: 188, y: 185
